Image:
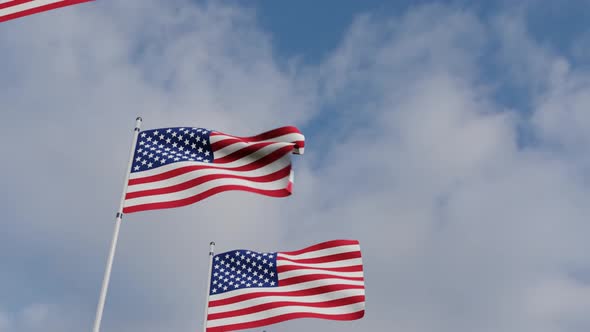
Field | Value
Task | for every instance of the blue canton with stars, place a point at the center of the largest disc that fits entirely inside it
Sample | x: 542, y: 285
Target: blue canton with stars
x: 243, y: 269
x: 159, y: 147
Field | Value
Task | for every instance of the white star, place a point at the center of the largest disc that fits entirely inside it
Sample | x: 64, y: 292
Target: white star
x: 206, y: 153
x: 161, y: 136
x: 272, y: 283
x: 156, y: 133
x: 142, y: 134
x: 200, y: 150
x: 186, y: 142
x: 180, y: 137
x: 194, y: 146
x: 168, y: 130
x: 138, y: 159
x: 150, y: 165
x: 137, y: 168
x: 173, y: 134
x: 149, y: 139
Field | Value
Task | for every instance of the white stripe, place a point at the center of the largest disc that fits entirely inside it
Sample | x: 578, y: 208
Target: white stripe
x: 229, y: 149
x: 269, y: 169
x: 26, y: 6
x: 217, y: 154
x: 335, y: 264
x: 287, y: 138
x: 304, y: 272
x: 347, y: 309
x: 274, y: 185
x: 323, y: 252
x: 340, y: 294
x: 240, y: 162
x: 290, y: 288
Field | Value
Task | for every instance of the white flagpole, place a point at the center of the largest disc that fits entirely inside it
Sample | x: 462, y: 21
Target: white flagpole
x: 119, y: 217
x: 211, y: 253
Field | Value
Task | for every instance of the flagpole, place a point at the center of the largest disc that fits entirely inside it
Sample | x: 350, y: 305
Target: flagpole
x: 211, y: 253
x: 119, y: 217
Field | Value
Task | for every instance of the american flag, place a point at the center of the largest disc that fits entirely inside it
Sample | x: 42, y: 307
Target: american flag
x: 11, y: 9
x: 250, y: 289
x: 174, y: 167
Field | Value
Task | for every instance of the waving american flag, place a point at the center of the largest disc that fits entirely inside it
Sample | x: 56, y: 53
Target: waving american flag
x: 178, y: 166
x: 250, y: 289
x: 11, y: 9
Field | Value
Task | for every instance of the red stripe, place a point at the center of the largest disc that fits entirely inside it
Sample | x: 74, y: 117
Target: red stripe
x: 324, y: 259
x: 354, y: 268
x: 193, y: 199
x: 280, y: 174
x: 282, y: 318
x: 324, y: 245
x: 279, y: 304
x: 41, y: 9
x: 225, y: 143
x: 243, y: 152
x: 269, y: 135
x: 313, y: 277
x: 304, y: 292
x: 13, y: 3
x: 266, y: 135
x: 268, y: 159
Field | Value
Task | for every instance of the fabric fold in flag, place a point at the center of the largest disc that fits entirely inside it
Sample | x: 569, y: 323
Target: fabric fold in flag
x: 174, y: 167
x: 11, y: 9
x: 250, y: 289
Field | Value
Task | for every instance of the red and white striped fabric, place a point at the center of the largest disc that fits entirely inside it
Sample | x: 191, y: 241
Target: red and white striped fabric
x: 174, y: 167
x: 11, y: 9
x: 250, y: 289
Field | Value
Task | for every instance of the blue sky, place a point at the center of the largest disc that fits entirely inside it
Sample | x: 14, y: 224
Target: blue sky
x: 450, y: 138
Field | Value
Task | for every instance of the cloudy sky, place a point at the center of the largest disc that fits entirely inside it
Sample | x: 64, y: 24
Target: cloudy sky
x: 451, y: 139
